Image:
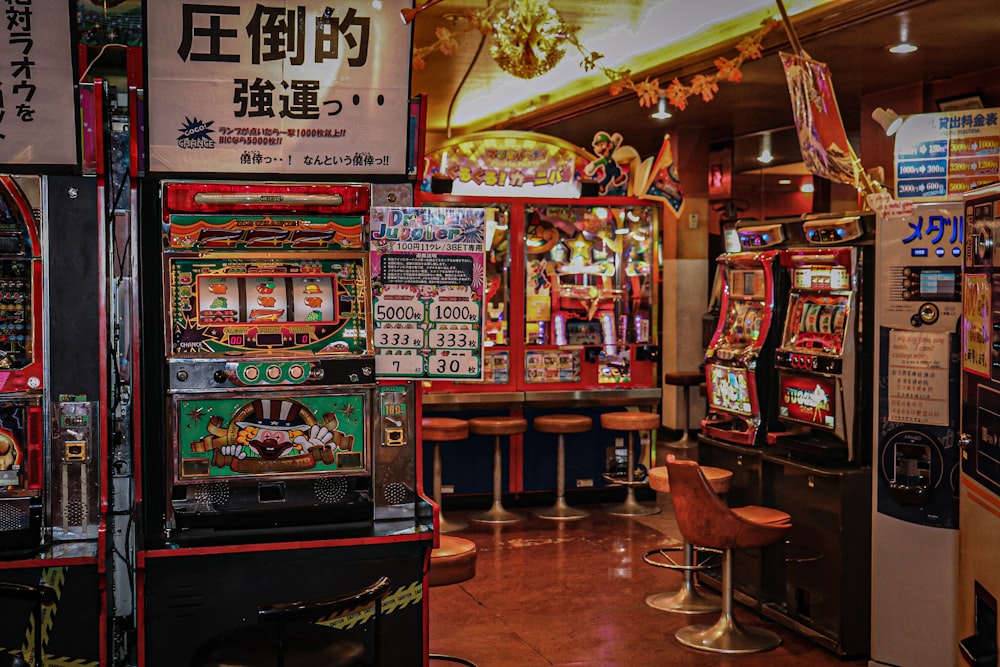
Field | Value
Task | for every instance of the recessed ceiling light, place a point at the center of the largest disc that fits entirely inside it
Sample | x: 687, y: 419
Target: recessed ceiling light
x: 784, y: 181
x: 661, y: 112
x: 903, y: 47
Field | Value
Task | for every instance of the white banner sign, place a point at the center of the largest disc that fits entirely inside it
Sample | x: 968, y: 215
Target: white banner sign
x: 37, y: 106
x: 307, y: 87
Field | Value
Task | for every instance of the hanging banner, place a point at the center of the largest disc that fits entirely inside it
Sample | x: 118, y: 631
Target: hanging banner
x: 944, y: 155
x: 823, y: 142
x: 304, y: 87
x: 428, y: 279
x: 37, y: 104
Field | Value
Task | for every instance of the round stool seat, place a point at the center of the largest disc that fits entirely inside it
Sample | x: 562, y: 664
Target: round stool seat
x: 684, y: 378
x: 630, y: 421
x: 718, y: 478
x: 498, y: 425
x: 562, y: 424
x: 453, y: 562
x: 444, y: 429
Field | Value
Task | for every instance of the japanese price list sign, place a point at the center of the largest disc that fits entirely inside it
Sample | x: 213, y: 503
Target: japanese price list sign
x: 37, y: 106
x: 428, y: 275
x: 306, y: 87
x: 946, y: 154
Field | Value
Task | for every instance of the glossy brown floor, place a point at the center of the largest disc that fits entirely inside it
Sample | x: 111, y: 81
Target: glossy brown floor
x: 573, y: 594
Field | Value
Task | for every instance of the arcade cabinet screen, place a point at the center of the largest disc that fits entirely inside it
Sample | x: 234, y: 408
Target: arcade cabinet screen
x: 815, y: 323
x: 730, y: 390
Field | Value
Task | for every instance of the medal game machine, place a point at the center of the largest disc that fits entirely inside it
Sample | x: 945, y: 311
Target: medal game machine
x: 916, y: 457
x: 979, y: 485
x: 571, y: 304
x: 817, y: 465
x: 275, y: 430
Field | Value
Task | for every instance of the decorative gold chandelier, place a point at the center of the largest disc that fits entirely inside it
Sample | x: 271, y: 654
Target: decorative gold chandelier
x: 528, y: 38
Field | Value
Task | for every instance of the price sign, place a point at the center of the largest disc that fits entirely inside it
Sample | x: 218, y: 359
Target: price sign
x: 454, y: 338
x: 395, y: 337
x: 399, y: 364
x: 454, y: 364
x: 455, y: 311
x: 399, y: 311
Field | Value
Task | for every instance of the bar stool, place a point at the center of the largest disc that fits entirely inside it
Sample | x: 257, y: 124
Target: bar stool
x: 706, y: 521
x: 686, y: 379
x: 437, y: 430
x: 561, y: 425
x: 688, y: 599
x: 630, y: 422
x: 497, y: 427
x: 453, y: 562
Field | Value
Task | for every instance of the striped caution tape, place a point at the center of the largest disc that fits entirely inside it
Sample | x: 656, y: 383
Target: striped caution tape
x: 55, y: 578
x: 398, y: 599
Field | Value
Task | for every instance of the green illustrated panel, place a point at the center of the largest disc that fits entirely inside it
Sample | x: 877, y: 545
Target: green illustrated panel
x: 249, y: 436
x: 232, y: 305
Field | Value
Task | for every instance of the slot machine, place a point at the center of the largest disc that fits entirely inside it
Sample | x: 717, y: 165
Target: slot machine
x: 979, y: 485
x: 824, y: 358
x: 738, y: 367
x: 270, y: 395
x: 23, y: 379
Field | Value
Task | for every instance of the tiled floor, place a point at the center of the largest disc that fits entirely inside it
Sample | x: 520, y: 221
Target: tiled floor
x: 572, y: 594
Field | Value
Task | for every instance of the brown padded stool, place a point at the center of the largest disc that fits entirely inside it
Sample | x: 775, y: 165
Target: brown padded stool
x: 706, y: 521
x: 437, y: 430
x: 561, y: 425
x: 630, y: 422
x: 453, y: 562
x: 686, y: 379
x: 497, y: 427
x: 688, y: 599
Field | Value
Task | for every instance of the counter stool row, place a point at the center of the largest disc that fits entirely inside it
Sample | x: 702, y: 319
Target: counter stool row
x: 437, y: 430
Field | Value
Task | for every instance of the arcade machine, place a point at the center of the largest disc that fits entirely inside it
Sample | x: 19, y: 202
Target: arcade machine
x: 818, y: 468
x: 572, y: 317
x: 916, y: 459
x: 51, y: 463
x: 979, y: 486
x: 740, y: 375
x: 738, y: 364
x: 274, y: 435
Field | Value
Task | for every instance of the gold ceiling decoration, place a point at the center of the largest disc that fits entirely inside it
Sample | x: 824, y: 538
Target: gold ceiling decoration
x: 529, y: 39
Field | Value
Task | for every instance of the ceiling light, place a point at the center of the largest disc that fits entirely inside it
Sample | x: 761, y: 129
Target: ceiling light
x: 807, y: 187
x: 784, y: 181
x: 661, y: 112
x: 765, y: 156
x: 903, y: 47
x: 888, y: 119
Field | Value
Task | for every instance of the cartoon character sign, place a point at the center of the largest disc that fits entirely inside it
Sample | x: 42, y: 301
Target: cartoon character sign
x: 605, y: 168
x: 276, y: 436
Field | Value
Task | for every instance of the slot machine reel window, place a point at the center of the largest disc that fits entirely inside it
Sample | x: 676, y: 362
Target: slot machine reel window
x: 816, y: 323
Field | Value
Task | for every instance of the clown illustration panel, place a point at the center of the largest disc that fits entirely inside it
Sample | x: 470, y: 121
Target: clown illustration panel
x: 249, y: 436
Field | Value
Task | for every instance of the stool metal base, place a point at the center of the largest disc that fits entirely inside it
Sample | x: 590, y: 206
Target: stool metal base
x: 561, y: 512
x: 497, y: 514
x: 451, y: 658
x: 450, y: 526
x: 631, y: 507
x: 687, y: 600
x: 728, y: 636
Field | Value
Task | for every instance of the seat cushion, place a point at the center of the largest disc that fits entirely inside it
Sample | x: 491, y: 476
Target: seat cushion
x: 498, y: 425
x: 453, y: 562
x: 684, y: 378
x: 306, y: 645
x: 443, y: 429
x: 630, y: 421
x: 562, y: 423
x: 718, y: 478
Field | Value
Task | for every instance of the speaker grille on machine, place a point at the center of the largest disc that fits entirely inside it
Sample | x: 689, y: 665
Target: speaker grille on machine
x: 397, y: 493
x: 14, y: 516
x: 211, y: 496
x: 330, y: 489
